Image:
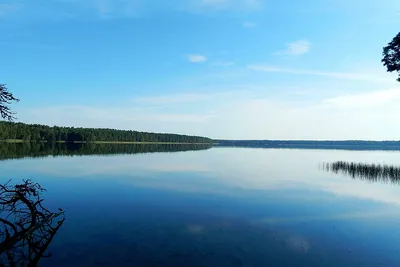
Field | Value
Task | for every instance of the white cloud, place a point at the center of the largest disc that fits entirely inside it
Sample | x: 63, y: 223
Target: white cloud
x: 299, y: 47
x: 139, y: 118
x: 245, y: 114
x: 249, y: 24
x: 364, y: 100
x: 268, y: 119
x: 171, y: 99
x: 197, y: 58
x: 338, y: 75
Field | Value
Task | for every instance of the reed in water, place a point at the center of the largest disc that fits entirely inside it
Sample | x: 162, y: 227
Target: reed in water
x: 364, y: 171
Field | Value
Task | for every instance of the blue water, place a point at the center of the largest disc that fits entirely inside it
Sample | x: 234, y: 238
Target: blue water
x: 217, y: 207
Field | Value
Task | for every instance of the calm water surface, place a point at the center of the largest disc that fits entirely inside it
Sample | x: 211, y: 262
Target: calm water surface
x: 217, y: 207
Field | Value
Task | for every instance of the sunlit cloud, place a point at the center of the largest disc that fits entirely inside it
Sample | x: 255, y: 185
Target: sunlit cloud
x: 364, y: 100
x: 243, y: 114
x: 299, y: 47
x: 197, y: 58
x: 140, y: 118
x: 172, y: 99
x: 338, y: 75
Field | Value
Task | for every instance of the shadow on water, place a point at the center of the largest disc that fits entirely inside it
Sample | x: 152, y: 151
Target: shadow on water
x: 22, y: 150
x: 26, y: 227
x: 363, y: 171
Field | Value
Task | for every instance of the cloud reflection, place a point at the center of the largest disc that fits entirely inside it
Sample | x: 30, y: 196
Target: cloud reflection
x: 298, y: 244
x: 242, y: 172
x: 195, y: 229
x: 340, y: 216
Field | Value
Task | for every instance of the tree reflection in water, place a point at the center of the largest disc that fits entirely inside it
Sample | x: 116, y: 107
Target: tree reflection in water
x: 26, y: 227
x: 32, y: 150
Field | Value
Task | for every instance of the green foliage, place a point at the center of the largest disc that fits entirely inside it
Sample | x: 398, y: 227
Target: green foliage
x: 42, y: 133
x: 391, y: 55
x: 6, y: 98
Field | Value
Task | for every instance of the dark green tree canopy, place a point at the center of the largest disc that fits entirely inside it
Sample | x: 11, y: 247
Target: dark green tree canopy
x: 391, y: 55
x: 6, y: 98
x: 40, y: 133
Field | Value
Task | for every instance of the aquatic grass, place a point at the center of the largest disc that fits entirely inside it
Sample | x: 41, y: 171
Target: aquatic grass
x: 370, y: 172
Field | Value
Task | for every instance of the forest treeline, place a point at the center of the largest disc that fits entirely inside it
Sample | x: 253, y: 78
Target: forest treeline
x: 42, y: 133
x: 44, y: 149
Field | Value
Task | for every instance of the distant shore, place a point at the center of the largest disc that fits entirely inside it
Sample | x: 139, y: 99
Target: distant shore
x: 311, y: 144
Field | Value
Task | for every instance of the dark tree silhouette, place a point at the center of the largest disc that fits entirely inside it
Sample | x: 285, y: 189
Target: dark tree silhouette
x: 6, y: 98
x: 391, y: 55
x: 26, y: 227
x: 43, y: 133
x: 44, y: 149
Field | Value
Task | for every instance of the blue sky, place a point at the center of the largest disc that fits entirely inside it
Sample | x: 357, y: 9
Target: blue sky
x: 238, y: 69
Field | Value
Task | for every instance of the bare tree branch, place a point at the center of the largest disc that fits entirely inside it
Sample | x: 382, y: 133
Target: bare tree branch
x: 26, y: 227
x: 6, y: 98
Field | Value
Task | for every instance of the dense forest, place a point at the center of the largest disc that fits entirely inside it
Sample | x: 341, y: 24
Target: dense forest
x: 42, y: 133
x: 44, y: 149
x: 345, y: 145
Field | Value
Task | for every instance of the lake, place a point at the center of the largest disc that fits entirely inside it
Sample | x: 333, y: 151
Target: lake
x: 220, y: 206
